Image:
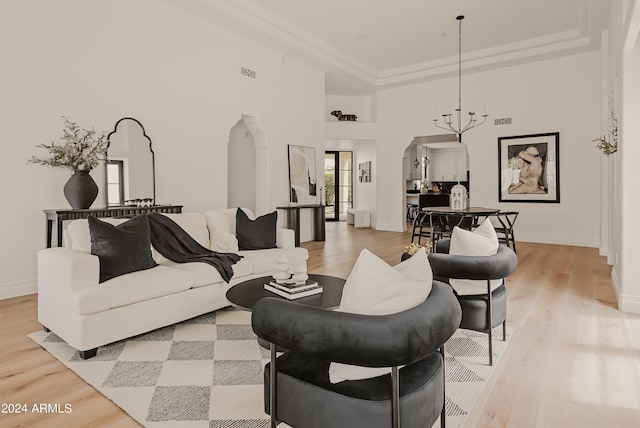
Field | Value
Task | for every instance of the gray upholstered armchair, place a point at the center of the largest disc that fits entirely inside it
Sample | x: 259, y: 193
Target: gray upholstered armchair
x: 488, y: 309
x: 299, y: 378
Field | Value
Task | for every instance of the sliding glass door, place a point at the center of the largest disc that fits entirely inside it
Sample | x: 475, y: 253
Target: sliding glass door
x: 338, y: 180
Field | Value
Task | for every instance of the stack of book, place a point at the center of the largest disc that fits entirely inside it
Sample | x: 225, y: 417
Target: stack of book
x: 293, y: 290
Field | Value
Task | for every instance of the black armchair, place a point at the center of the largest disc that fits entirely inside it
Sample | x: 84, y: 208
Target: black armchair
x: 483, y: 311
x: 299, y: 378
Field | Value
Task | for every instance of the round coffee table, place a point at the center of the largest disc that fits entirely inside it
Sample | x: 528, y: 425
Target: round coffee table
x: 245, y: 294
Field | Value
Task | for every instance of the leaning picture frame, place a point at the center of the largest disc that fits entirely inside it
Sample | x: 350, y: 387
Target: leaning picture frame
x: 529, y: 168
x: 302, y: 175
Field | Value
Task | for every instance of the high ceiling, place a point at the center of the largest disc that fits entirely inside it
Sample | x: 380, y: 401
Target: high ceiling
x: 367, y: 44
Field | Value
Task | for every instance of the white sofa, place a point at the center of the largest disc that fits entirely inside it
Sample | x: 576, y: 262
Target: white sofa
x: 87, y: 315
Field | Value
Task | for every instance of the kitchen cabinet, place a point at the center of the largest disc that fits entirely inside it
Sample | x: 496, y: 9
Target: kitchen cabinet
x: 448, y: 165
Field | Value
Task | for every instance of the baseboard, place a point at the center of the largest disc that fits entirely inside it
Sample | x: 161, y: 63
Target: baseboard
x: 18, y: 288
x: 616, y: 284
x: 557, y: 240
x: 629, y: 304
x: 388, y: 227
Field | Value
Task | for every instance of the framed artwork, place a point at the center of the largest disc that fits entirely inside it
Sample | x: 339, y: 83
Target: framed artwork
x: 529, y: 168
x: 302, y: 175
x: 364, y: 172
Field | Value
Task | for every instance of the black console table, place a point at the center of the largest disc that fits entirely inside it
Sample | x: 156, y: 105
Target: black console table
x: 70, y: 214
x: 293, y: 220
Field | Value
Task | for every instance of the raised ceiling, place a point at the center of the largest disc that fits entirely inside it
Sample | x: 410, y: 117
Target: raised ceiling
x: 363, y: 45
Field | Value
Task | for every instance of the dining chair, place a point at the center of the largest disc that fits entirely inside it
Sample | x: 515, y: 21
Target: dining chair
x: 504, y: 230
x: 420, y: 227
x: 442, y: 225
x: 484, y: 309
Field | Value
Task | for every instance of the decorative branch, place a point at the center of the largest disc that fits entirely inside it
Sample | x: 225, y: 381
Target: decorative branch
x: 608, y: 143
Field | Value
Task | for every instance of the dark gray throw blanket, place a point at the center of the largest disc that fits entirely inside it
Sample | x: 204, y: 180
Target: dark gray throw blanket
x: 173, y: 242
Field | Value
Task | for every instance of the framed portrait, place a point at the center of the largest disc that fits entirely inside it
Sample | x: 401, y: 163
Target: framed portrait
x: 529, y: 168
x: 302, y: 175
x: 364, y: 172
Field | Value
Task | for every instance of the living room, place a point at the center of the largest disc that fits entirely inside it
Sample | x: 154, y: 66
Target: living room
x: 175, y: 66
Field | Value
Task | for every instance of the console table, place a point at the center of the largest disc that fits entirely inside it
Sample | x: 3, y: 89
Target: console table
x: 59, y: 216
x: 293, y: 220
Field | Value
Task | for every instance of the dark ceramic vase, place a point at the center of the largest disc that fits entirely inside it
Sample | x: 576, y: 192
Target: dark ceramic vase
x: 80, y: 190
x: 404, y: 256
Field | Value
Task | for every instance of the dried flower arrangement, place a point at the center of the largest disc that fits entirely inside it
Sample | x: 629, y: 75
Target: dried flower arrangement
x: 79, y: 149
x: 413, y: 248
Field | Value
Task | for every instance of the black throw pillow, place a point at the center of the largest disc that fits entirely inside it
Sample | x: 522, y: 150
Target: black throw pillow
x: 123, y: 248
x: 256, y: 234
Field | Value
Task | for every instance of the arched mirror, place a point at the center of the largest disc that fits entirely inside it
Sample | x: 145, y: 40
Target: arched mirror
x: 130, y: 170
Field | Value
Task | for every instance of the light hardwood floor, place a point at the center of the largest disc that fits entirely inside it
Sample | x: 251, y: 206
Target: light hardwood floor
x: 574, y: 359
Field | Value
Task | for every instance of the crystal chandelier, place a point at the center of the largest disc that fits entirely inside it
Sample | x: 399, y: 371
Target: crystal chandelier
x: 448, y: 118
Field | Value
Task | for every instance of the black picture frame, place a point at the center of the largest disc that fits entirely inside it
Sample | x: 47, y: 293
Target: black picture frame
x: 529, y: 168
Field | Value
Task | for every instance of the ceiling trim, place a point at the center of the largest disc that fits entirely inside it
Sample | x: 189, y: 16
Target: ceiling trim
x: 250, y: 20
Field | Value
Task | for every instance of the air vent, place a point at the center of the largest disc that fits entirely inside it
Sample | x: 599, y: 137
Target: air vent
x: 502, y: 121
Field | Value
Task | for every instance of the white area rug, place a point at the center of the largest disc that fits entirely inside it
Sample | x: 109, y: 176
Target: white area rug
x: 207, y: 372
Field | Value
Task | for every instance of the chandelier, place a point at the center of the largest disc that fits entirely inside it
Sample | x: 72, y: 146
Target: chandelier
x: 448, y: 118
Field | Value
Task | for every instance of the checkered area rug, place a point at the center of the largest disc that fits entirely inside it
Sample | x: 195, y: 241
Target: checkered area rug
x: 207, y: 372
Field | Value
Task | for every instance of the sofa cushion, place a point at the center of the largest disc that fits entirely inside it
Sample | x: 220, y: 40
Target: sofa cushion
x: 205, y: 274
x: 258, y: 234
x: 131, y: 288
x: 195, y: 224
x: 121, y: 249
x: 265, y: 261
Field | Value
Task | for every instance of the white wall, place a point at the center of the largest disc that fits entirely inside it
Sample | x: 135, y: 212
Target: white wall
x: 555, y: 95
x: 99, y: 61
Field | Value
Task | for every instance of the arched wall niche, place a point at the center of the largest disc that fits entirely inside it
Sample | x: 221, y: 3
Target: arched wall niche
x: 248, y: 166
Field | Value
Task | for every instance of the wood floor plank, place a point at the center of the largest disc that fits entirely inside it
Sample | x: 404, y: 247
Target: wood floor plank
x: 574, y: 359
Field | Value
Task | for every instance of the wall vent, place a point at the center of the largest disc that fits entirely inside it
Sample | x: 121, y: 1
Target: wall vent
x: 247, y: 72
x: 502, y: 121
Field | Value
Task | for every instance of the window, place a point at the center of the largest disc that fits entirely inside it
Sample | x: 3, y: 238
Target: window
x: 115, y: 182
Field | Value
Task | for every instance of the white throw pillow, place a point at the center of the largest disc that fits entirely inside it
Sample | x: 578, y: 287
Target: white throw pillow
x: 222, y: 221
x: 375, y: 288
x: 482, y: 241
x: 226, y: 243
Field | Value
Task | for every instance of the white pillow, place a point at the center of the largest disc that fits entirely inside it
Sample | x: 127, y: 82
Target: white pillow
x: 482, y: 241
x: 222, y: 221
x: 375, y: 288
x: 225, y: 243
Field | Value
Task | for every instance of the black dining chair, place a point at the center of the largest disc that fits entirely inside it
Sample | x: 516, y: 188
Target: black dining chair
x: 442, y: 225
x: 505, y: 233
x: 488, y: 309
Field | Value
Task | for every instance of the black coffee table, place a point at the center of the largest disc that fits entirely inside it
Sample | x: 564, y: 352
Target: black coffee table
x: 245, y: 294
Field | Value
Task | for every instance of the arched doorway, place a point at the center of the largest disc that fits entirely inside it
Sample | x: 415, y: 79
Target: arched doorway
x: 248, y: 166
